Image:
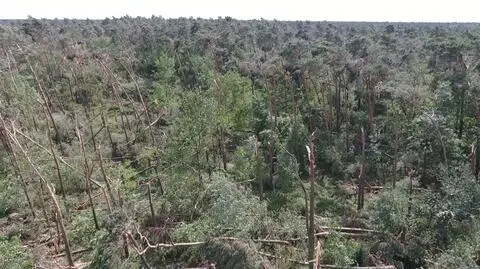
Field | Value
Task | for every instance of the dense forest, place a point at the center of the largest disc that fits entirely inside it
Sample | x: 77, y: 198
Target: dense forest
x: 221, y: 143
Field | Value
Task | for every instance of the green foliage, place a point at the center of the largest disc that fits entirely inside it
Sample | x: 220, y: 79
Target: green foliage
x: 234, y: 255
x: 108, y: 253
x: 124, y: 175
x: 461, y: 193
x: 295, y: 145
x: 244, y: 160
x: 165, y: 95
x: 236, y: 101
x: 389, y: 211
x: 220, y: 111
x: 100, y: 44
x: 227, y: 209
x: 10, y: 195
x: 259, y: 118
x: 14, y: 255
x: 82, y: 229
x: 193, y: 71
x: 191, y: 133
x: 464, y: 253
x: 339, y: 251
x: 108, y: 245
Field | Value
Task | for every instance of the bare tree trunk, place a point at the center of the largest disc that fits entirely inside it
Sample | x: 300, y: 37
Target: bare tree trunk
x: 125, y: 245
x: 221, y: 148
x: 410, y: 200
x: 104, y: 175
x: 311, y: 208
x: 258, y: 173
x: 57, y: 165
x: 106, y: 127
x: 220, y: 105
x: 395, y: 154
x: 272, y: 119
x: 444, y: 149
x: 144, y: 104
x: 209, y: 168
x: 58, y: 211
x: 317, y: 258
x: 157, y: 175
x: 361, y: 176
x: 347, y: 120
x: 338, y: 102
x: 42, y: 201
x: 152, y: 211
x: 125, y: 122
x: 107, y: 200
x: 271, y: 169
x: 88, y: 187
x: 120, y: 199
x: 16, y: 167
x: 46, y: 103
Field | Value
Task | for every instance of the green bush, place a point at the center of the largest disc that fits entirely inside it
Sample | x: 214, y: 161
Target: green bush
x: 228, y: 209
x: 464, y: 254
x: 339, y: 251
x: 82, y: 229
x: 389, y: 211
x: 10, y: 196
x: 13, y: 255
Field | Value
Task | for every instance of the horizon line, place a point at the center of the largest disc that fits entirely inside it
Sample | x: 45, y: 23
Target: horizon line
x: 27, y: 17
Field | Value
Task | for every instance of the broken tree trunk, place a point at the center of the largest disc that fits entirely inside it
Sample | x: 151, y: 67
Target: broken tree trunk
x: 361, y: 176
x: 311, y: 208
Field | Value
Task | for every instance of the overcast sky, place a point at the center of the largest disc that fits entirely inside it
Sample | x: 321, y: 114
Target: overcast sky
x: 331, y: 10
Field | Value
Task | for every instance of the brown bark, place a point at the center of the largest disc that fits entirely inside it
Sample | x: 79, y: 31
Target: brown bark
x: 311, y: 208
x: 152, y: 211
x: 58, y: 211
x: 88, y: 187
x: 16, y: 168
x: 57, y: 165
x: 361, y: 176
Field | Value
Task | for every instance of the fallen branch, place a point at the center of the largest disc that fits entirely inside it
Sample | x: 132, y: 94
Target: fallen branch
x: 149, y: 246
x: 358, y: 267
x: 348, y: 229
x: 137, y: 249
x: 330, y: 266
x: 279, y: 258
x: 287, y: 242
x: 154, y: 122
x: 264, y: 241
x: 377, y: 188
x: 85, y: 204
x: 158, y: 245
x: 73, y: 252
x: 327, y: 233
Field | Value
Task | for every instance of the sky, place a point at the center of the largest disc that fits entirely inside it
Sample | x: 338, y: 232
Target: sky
x: 330, y: 10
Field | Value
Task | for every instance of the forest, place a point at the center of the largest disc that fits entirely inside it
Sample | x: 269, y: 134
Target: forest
x: 224, y: 143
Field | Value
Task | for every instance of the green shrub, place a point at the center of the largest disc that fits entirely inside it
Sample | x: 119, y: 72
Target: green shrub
x: 10, y: 196
x: 82, y: 229
x: 13, y: 255
x: 389, y: 211
x: 464, y: 255
x: 339, y: 251
x: 228, y: 209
